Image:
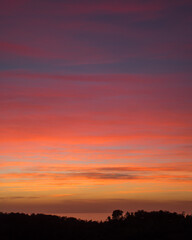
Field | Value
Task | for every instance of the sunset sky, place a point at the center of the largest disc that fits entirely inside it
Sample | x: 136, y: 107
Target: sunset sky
x: 95, y: 105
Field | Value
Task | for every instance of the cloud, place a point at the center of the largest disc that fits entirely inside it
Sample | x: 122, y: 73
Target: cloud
x: 60, y: 174
x: 18, y: 197
x: 97, y: 206
x: 110, y: 7
x: 118, y: 32
x: 19, y: 49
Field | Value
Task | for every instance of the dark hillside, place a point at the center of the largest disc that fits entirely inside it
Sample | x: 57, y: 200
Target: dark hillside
x: 134, y: 226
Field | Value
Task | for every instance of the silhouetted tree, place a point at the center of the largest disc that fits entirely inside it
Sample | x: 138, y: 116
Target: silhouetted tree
x: 160, y: 225
x: 117, y: 214
x: 127, y: 214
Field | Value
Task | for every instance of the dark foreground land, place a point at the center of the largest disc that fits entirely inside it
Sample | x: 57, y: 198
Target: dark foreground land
x: 134, y: 226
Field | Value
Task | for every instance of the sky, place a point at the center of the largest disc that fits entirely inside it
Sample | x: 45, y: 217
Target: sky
x: 95, y: 105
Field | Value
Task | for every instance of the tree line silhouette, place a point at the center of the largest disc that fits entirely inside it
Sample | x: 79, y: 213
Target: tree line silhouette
x: 155, y: 225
